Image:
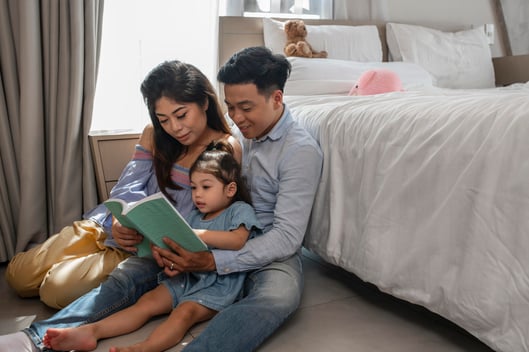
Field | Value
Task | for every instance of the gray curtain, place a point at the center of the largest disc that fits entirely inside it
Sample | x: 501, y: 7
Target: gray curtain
x: 49, y: 52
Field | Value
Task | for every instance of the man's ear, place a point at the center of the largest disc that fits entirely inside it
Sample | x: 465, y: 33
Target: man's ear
x: 231, y: 189
x: 277, y: 96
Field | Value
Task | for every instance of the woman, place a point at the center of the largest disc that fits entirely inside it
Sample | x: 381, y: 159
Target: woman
x: 185, y: 116
x: 224, y: 219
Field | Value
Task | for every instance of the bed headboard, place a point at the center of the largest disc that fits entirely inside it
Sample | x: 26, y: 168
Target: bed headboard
x: 236, y: 33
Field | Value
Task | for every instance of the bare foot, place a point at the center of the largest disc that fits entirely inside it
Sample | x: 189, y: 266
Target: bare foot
x: 80, y: 339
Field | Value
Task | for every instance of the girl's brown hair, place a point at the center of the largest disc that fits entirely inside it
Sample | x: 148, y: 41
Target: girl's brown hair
x: 218, y: 160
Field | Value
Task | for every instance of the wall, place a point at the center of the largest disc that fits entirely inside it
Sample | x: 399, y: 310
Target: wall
x: 444, y: 15
x: 447, y: 13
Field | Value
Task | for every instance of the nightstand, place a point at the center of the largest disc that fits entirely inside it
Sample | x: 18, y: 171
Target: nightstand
x: 511, y: 69
x: 111, y: 151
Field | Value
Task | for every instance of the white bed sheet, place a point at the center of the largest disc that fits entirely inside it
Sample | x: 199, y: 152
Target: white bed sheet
x: 426, y: 195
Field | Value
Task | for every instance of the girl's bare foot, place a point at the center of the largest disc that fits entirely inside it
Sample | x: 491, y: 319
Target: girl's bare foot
x: 80, y: 339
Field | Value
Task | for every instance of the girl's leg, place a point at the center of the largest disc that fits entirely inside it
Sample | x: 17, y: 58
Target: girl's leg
x: 173, y: 330
x: 126, y: 284
x: 85, y: 337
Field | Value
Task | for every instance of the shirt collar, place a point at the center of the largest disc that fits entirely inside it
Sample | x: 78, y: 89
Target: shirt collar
x: 280, y: 127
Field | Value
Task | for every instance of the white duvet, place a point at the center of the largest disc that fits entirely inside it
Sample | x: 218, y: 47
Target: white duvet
x: 426, y: 195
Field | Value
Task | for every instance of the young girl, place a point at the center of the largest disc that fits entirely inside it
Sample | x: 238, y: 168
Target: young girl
x: 223, y: 219
x: 186, y: 117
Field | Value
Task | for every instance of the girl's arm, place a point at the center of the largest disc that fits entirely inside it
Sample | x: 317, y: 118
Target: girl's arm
x: 233, y: 240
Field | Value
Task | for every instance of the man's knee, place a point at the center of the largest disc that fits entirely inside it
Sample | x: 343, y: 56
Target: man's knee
x: 278, y: 286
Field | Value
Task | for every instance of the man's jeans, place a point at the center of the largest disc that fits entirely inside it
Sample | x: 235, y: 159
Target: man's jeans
x: 271, y: 295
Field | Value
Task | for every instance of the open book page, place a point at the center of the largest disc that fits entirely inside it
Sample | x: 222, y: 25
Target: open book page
x: 155, y: 217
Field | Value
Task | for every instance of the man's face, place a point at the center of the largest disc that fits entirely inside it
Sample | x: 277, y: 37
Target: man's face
x: 254, y: 114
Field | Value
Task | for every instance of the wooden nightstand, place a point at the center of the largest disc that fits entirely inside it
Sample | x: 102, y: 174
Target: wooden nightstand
x: 511, y: 69
x: 111, y: 151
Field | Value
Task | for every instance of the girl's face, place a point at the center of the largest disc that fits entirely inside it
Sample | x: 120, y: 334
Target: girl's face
x: 185, y: 122
x: 210, y: 195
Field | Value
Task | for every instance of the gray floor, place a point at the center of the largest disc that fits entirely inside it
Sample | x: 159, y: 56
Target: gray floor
x: 338, y: 313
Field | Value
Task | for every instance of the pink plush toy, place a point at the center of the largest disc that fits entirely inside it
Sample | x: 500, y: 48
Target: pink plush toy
x: 376, y: 82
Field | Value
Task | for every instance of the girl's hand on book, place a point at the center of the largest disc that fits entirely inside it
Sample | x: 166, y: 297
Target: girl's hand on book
x: 125, y: 237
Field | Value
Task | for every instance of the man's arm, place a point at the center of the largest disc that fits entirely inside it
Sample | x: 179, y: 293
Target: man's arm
x: 299, y: 178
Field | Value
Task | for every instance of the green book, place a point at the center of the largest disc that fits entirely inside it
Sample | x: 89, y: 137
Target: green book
x: 155, y: 217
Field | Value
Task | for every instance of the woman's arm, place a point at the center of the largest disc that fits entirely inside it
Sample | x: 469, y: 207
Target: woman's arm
x: 147, y: 138
x: 233, y: 240
x: 125, y: 237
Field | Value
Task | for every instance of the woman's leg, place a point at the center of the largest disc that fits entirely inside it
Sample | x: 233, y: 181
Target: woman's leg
x: 26, y: 270
x: 172, y: 330
x: 124, y: 286
x: 271, y: 295
x: 156, y: 302
x: 70, y: 279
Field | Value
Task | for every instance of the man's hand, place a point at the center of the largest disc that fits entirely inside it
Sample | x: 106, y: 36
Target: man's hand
x: 177, y: 260
x: 125, y: 237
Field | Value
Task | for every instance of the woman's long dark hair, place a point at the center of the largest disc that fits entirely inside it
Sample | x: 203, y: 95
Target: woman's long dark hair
x: 218, y: 160
x: 183, y: 83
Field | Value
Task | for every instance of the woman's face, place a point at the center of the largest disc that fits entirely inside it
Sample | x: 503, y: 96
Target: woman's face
x: 185, y: 122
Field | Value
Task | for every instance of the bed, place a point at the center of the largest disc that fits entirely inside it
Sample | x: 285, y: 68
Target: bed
x: 424, y: 192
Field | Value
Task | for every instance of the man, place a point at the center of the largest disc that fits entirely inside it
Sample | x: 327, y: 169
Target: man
x: 282, y: 164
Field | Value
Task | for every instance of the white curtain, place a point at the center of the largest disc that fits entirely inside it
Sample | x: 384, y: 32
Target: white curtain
x: 48, y: 68
x: 375, y: 10
x: 138, y: 35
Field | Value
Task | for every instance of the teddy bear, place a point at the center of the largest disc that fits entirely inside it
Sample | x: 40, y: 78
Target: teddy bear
x: 377, y: 81
x: 296, y: 44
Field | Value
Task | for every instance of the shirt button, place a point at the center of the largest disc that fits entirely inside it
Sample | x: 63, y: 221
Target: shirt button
x: 227, y: 270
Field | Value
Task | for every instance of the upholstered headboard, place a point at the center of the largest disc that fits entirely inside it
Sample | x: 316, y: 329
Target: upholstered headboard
x: 236, y: 33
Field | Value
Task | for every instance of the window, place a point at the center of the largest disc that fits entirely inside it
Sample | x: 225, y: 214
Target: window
x: 316, y: 9
x: 138, y: 35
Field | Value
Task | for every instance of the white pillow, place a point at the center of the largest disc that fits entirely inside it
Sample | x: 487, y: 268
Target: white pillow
x: 455, y: 60
x: 331, y: 76
x: 357, y: 43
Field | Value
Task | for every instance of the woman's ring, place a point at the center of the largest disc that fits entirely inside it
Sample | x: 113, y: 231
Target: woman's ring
x: 171, y: 267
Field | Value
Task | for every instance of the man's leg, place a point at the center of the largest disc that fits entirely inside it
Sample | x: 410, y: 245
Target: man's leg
x: 125, y: 285
x: 272, y: 294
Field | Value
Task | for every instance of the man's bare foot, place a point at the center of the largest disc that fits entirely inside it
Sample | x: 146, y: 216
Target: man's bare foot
x: 80, y: 339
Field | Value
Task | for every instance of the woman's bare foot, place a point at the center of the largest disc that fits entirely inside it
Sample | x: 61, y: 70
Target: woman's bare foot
x: 80, y: 339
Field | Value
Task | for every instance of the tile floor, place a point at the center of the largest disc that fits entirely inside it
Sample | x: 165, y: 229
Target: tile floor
x: 338, y: 313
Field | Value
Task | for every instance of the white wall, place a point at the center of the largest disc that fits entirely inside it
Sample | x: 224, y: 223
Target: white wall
x: 446, y: 14
x: 440, y: 14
